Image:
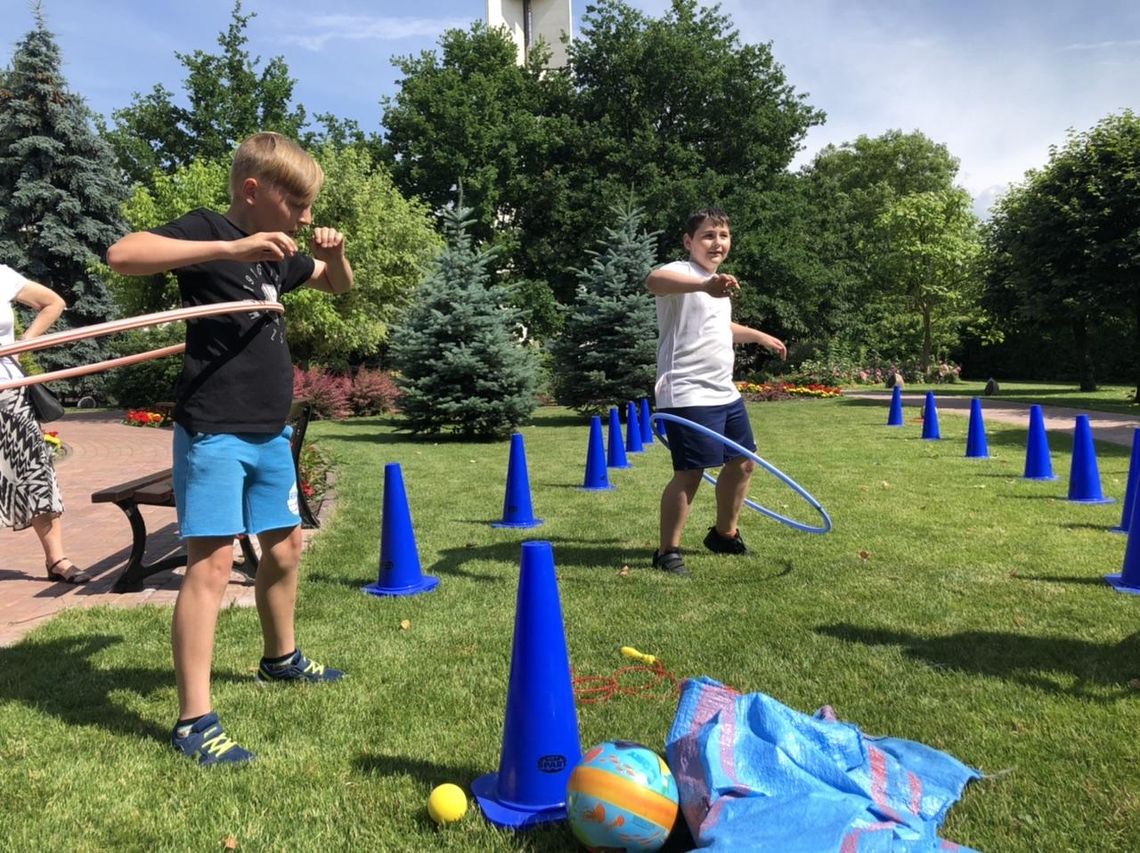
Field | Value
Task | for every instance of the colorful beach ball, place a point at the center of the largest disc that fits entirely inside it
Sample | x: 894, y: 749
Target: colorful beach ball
x: 621, y: 797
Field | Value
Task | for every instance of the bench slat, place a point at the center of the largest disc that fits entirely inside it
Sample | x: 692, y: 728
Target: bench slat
x: 122, y: 491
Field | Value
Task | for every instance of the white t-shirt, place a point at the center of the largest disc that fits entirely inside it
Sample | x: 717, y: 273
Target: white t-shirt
x: 694, y: 346
x: 11, y: 283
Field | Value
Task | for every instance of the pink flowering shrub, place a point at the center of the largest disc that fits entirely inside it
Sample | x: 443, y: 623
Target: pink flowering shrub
x: 373, y: 392
x: 327, y: 392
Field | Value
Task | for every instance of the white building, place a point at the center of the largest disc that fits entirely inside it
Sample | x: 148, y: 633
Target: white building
x: 531, y: 20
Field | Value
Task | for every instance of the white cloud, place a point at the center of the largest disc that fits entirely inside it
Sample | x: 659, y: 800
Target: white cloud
x: 321, y: 29
x: 1102, y: 45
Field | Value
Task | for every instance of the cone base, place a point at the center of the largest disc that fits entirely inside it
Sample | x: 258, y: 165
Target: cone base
x: 1091, y: 500
x: 1040, y: 477
x: 626, y: 465
x: 534, y: 522
x: 932, y: 438
x: 977, y: 456
x: 512, y: 815
x: 426, y: 583
x: 1118, y: 529
x: 1117, y: 583
x: 896, y: 425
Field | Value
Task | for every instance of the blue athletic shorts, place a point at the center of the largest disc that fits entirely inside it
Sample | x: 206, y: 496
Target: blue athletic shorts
x: 225, y: 484
x: 692, y: 449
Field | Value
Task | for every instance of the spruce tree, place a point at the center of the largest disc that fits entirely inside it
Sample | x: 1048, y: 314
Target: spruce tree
x: 607, y: 351
x: 461, y: 366
x: 60, y: 194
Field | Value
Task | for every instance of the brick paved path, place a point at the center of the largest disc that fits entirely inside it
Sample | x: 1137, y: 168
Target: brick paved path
x: 102, y: 452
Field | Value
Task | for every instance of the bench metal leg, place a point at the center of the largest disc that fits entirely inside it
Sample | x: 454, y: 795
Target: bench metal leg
x: 131, y: 580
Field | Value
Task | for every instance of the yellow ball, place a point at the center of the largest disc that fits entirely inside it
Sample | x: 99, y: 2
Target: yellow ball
x: 447, y: 803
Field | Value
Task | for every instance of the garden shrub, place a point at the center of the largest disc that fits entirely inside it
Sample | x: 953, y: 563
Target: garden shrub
x: 373, y: 392
x: 142, y: 385
x: 327, y: 393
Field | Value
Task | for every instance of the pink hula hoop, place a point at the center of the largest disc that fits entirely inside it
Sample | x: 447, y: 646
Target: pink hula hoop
x: 99, y: 330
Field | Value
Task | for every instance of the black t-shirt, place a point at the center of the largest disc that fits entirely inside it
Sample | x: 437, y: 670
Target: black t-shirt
x: 236, y: 375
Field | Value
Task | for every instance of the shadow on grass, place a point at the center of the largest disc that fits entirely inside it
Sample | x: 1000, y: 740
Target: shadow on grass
x: 568, y: 553
x: 428, y: 773
x: 1019, y: 658
x: 58, y: 678
x: 1066, y: 579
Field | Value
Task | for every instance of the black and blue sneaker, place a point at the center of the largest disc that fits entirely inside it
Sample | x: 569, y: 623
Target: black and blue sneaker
x: 206, y: 742
x: 296, y: 668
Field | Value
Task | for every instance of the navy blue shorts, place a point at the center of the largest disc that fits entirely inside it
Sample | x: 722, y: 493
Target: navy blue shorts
x: 692, y: 450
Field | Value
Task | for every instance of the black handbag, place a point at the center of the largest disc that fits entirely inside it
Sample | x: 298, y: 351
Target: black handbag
x: 44, y: 403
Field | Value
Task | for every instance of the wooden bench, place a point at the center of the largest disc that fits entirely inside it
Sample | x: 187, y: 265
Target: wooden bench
x: 157, y: 489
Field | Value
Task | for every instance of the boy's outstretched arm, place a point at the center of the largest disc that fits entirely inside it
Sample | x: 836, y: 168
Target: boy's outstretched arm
x: 662, y: 282
x: 333, y: 272
x: 747, y: 335
x: 144, y: 253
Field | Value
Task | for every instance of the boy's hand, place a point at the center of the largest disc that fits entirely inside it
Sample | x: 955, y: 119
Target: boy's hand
x: 774, y: 345
x: 721, y: 285
x: 264, y: 246
x: 327, y: 244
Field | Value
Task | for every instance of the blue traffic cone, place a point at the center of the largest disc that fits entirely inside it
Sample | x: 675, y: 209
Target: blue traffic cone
x: 930, y: 429
x: 646, y: 427
x: 1038, y: 462
x: 1084, y: 476
x: 517, y: 510
x: 976, y: 445
x: 399, y: 561
x: 632, y: 429
x: 540, y: 731
x: 615, y: 457
x: 597, y: 478
x: 895, y: 416
x: 1133, y: 485
x: 1129, y: 578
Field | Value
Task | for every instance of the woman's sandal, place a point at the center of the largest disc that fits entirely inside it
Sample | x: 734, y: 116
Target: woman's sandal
x: 72, y: 574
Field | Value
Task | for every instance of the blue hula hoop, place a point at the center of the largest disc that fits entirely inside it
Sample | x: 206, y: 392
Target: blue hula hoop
x: 743, y: 451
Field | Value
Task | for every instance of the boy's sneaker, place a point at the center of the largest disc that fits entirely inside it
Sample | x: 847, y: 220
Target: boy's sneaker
x: 296, y: 669
x: 206, y: 743
x: 718, y: 543
x: 671, y: 561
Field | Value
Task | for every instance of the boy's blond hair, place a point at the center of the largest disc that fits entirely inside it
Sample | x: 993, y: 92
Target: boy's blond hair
x: 278, y: 160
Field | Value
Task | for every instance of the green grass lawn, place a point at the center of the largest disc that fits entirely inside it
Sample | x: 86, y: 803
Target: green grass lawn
x: 954, y: 603
x: 1120, y: 399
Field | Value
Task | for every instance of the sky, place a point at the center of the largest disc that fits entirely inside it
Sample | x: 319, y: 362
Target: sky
x: 997, y: 81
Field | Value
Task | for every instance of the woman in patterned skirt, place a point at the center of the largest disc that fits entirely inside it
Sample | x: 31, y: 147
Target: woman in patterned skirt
x: 29, y: 493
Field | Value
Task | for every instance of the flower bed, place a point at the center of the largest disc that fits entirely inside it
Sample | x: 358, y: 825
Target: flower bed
x: 757, y: 391
x: 52, y: 439
x: 143, y: 418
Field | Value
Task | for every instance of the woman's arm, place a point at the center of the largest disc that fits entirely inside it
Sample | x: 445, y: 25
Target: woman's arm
x: 47, y: 304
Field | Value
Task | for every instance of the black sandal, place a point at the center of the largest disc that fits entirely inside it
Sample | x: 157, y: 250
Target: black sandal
x: 72, y: 575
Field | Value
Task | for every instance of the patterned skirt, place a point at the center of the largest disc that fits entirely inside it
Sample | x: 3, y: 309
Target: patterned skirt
x: 28, y: 487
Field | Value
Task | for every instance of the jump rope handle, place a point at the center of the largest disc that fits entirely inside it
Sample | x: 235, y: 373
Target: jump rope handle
x: 633, y: 654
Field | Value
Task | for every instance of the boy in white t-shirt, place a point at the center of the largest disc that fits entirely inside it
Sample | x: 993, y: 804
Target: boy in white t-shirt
x: 694, y: 381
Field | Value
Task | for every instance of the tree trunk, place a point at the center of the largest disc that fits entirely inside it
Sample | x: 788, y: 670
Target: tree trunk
x: 927, y: 339
x: 1085, y: 366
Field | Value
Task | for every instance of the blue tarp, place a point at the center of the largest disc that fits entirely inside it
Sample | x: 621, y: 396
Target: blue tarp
x: 754, y: 774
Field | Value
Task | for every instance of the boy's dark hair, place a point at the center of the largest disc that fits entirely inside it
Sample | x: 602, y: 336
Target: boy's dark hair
x: 716, y: 214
